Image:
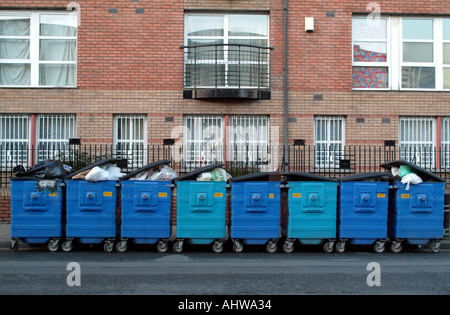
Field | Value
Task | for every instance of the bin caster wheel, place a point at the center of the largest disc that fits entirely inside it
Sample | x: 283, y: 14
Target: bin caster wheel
x: 340, y: 247
x: 162, y: 247
x: 238, y: 247
x: 396, y: 247
x: 178, y: 247
x: 108, y: 246
x: 67, y: 246
x: 53, y: 245
x: 328, y: 247
x: 379, y: 247
x: 217, y: 247
x: 435, y: 246
x: 288, y: 247
x: 121, y: 247
x: 14, y: 246
x: 271, y: 247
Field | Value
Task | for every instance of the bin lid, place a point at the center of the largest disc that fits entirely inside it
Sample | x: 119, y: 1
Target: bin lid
x: 260, y: 176
x: 145, y: 168
x: 195, y: 173
x: 368, y: 177
x: 307, y: 177
x: 98, y: 163
x: 425, y: 175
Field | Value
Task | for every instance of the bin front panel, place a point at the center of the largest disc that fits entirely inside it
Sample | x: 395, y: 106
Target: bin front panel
x: 363, y: 208
x: 145, y: 209
x: 417, y: 213
x: 312, y: 210
x: 255, y: 211
x: 201, y: 209
x: 36, y: 210
x: 91, y: 209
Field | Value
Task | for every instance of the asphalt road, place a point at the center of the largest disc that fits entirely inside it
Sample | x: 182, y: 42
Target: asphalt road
x: 198, y: 271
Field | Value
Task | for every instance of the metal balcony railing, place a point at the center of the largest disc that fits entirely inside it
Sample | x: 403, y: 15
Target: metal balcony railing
x: 226, y: 66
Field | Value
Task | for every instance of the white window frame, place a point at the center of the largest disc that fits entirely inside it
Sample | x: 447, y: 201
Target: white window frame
x: 445, y: 142
x: 395, y: 53
x: 225, y: 38
x: 52, y: 135
x: 15, y: 148
x: 139, y: 141
x: 417, y: 138
x: 324, y: 156
x: 34, y: 39
x: 203, y: 140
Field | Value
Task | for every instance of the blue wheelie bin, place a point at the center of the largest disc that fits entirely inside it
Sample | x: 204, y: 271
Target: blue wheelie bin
x: 145, y: 210
x: 37, y: 205
x: 201, y: 207
x: 255, y: 210
x: 416, y: 213
x: 91, y: 209
x: 312, y: 204
x: 363, y: 210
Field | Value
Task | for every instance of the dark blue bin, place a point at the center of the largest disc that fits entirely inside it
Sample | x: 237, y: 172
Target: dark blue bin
x: 145, y: 210
x: 416, y: 215
x: 363, y: 210
x: 255, y: 210
x: 91, y: 210
x: 36, y: 212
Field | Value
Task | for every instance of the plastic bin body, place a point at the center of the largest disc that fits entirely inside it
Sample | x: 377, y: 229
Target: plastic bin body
x: 363, y: 211
x: 91, y: 210
x: 36, y: 212
x: 201, y: 209
x: 417, y: 214
x: 312, y: 211
x: 255, y: 211
x: 145, y: 210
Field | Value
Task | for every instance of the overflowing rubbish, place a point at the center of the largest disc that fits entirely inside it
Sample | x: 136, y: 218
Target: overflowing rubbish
x: 109, y: 172
x: 216, y: 175
x: 406, y: 175
x: 49, y: 169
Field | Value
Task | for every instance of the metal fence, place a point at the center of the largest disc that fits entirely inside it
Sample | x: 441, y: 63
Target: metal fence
x: 296, y: 158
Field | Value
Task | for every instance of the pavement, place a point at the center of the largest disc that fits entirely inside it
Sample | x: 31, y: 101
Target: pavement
x: 5, y: 238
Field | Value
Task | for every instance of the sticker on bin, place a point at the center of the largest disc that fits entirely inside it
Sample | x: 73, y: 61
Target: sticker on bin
x: 381, y: 195
x: 107, y: 194
x: 296, y: 195
x: 218, y: 195
x: 53, y: 194
x: 162, y: 194
x: 405, y: 196
x: 271, y: 196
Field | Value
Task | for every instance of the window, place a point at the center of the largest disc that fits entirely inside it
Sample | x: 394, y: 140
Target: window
x: 130, y: 138
x: 417, y: 140
x: 38, y: 49
x: 401, y: 53
x: 329, y: 141
x: 445, y: 142
x: 53, y: 134
x: 203, y: 140
x: 214, y: 57
x: 14, y: 139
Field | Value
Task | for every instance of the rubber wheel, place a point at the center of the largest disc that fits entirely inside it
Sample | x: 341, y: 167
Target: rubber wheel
x: 177, y: 247
x: 328, y: 247
x: 271, y: 247
x: 340, y: 247
x: 379, y: 247
x: 121, y: 247
x: 108, y: 247
x: 162, y: 247
x: 238, y: 247
x: 67, y: 246
x: 217, y: 247
x: 53, y: 246
x: 396, y: 247
x: 288, y: 247
x: 435, y: 246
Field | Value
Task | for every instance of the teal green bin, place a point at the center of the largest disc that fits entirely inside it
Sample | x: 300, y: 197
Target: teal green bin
x: 312, y: 204
x: 201, y: 207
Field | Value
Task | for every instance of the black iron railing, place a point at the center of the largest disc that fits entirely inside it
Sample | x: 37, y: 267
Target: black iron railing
x: 239, y: 160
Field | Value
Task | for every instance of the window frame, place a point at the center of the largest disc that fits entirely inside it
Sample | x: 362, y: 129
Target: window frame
x: 25, y: 140
x: 34, y: 37
x: 328, y: 161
